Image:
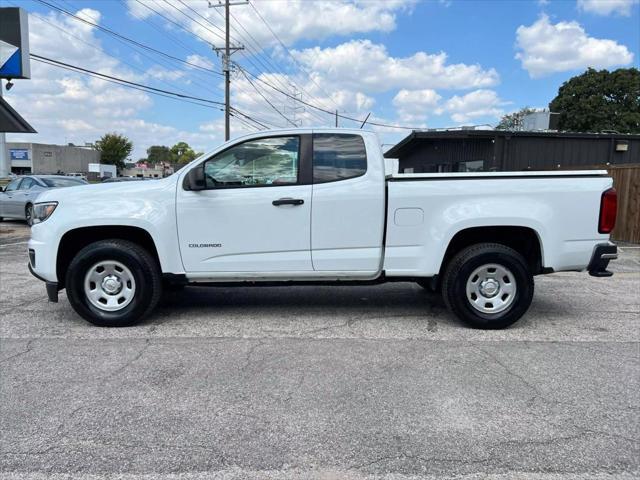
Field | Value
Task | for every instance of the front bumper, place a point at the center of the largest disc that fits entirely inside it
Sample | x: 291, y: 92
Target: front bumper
x: 52, y: 287
x: 602, y: 255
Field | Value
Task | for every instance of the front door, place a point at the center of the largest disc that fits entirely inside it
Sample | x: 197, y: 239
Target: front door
x: 10, y: 204
x: 253, y: 217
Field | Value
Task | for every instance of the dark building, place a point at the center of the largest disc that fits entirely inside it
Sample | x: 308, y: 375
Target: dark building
x: 494, y: 150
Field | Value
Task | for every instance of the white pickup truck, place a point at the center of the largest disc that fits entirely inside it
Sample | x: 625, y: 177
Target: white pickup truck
x: 314, y: 206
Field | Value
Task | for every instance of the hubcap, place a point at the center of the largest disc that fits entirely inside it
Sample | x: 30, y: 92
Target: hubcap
x: 109, y: 285
x: 491, y: 288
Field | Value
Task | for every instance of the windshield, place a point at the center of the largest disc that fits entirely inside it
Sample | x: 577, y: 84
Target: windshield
x: 63, y: 182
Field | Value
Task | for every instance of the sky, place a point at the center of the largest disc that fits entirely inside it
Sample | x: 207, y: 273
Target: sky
x: 406, y: 63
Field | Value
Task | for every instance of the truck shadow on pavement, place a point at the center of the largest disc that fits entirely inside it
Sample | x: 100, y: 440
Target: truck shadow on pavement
x: 308, y: 305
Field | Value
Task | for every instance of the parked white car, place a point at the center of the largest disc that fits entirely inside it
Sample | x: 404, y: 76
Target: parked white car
x: 314, y: 206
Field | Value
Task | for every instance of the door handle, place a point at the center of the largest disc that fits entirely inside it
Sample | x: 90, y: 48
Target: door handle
x: 287, y: 201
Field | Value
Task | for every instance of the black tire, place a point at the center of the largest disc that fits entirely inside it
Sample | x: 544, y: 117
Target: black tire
x: 28, y: 214
x: 141, y: 264
x: 459, y: 270
x: 430, y: 285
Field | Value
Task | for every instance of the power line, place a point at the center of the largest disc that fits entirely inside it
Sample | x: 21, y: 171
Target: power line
x: 125, y: 38
x: 95, y: 47
x: 334, y: 114
x: 203, y: 102
x: 172, y: 21
x: 249, y: 117
x: 205, y: 19
x: 270, y: 65
x: 137, y: 86
x: 187, y: 16
x: 199, y: 70
x: 289, y: 53
x: 193, y: 19
x: 267, y: 100
x: 104, y: 76
x: 254, y: 52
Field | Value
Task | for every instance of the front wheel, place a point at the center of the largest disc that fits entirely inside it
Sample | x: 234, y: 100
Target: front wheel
x: 28, y: 214
x: 113, y: 283
x: 488, y: 286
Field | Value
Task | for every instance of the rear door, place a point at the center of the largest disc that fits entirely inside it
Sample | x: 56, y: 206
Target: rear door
x: 254, y: 217
x: 347, y: 223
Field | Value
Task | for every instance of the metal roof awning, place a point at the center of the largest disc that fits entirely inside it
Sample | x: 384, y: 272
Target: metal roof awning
x: 11, y: 121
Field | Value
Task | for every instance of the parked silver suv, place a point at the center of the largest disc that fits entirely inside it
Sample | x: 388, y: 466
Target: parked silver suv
x: 18, y: 197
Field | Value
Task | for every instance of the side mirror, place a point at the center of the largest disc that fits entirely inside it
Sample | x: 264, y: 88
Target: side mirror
x: 194, y: 180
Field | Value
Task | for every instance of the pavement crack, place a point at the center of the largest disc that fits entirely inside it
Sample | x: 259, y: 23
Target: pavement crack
x: 424, y: 460
x: 134, y: 359
x: 28, y: 348
x: 522, y: 379
x: 248, y: 356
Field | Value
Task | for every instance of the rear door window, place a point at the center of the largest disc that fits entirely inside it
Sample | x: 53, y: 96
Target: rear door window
x: 27, y: 183
x: 338, y: 156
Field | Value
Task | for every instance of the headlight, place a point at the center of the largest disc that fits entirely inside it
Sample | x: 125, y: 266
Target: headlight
x: 42, y: 211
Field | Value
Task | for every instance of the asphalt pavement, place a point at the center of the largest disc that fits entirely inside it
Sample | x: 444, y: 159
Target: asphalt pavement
x: 322, y: 383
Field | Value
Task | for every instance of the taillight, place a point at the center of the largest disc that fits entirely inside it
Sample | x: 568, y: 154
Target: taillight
x: 608, y: 211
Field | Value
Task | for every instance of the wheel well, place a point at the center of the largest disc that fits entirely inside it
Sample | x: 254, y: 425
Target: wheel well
x: 523, y: 240
x: 75, y: 240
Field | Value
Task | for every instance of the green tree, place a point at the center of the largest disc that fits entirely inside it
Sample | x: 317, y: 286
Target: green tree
x: 114, y: 149
x: 158, y: 153
x: 600, y: 100
x: 513, y: 121
x: 181, y: 152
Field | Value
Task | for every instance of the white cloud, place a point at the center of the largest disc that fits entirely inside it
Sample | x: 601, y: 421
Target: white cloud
x: 200, y: 61
x: 547, y: 48
x: 293, y: 21
x: 607, y: 7
x: 247, y: 100
x: 365, y: 65
x: 479, y: 104
x: 160, y: 73
x: 415, y: 105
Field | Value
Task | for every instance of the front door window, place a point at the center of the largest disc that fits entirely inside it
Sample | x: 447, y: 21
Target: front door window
x: 261, y: 162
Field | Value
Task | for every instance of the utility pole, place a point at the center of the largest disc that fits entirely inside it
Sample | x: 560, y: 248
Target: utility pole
x: 226, y: 62
x: 336, y: 118
x: 293, y: 105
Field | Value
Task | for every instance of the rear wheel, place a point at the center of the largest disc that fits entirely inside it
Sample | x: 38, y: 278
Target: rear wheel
x: 488, y: 286
x: 113, y: 283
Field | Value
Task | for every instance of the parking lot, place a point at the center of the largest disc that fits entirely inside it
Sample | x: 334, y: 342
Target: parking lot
x: 321, y: 382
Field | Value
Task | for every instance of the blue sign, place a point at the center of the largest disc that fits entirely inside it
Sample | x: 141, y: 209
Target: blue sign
x: 18, y: 154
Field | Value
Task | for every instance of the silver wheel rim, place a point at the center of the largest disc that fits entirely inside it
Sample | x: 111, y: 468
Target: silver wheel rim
x: 491, y: 288
x: 109, y: 286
